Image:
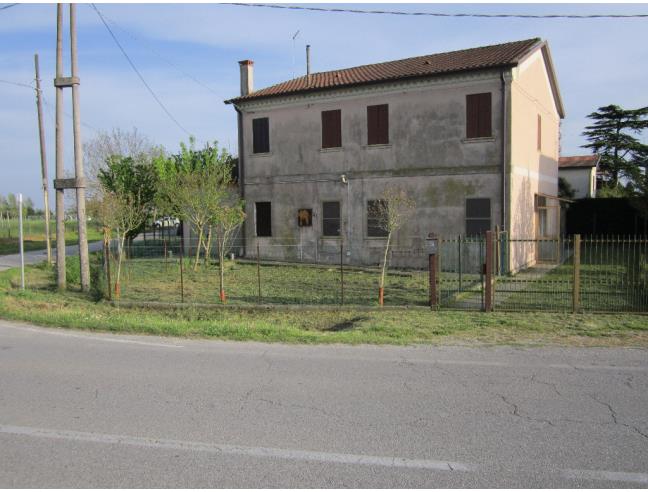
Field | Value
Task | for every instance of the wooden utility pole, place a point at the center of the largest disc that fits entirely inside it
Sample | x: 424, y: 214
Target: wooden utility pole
x: 43, y: 156
x: 78, y: 157
x: 78, y: 182
x: 60, y: 166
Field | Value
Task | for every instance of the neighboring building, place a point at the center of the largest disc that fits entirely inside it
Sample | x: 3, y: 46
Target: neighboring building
x: 580, y: 172
x: 471, y: 135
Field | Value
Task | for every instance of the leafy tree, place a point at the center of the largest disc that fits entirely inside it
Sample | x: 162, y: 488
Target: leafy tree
x: 392, y: 210
x: 565, y: 190
x: 613, y: 135
x: 195, y: 185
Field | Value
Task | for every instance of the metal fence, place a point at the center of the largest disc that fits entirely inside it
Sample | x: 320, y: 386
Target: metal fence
x: 492, y: 272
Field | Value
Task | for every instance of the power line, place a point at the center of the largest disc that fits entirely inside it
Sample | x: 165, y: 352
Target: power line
x: 440, y: 14
x: 18, y: 84
x: 8, y: 6
x: 160, y: 56
x: 157, y: 99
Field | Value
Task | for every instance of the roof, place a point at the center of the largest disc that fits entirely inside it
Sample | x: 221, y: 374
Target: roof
x: 485, y: 57
x: 579, y: 161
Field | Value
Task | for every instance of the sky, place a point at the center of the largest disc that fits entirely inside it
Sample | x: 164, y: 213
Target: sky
x: 598, y: 62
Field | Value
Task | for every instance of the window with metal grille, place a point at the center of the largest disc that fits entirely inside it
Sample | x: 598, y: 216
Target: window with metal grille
x: 478, y: 216
x: 261, y: 135
x: 378, y: 124
x: 478, y: 115
x: 263, y: 216
x: 376, y: 218
x: 331, y: 218
x: 331, y: 129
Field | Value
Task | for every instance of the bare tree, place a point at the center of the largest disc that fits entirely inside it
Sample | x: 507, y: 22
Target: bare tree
x: 391, y: 211
x: 228, y: 217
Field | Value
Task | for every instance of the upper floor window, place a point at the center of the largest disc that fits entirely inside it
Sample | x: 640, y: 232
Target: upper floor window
x: 260, y: 135
x: 478, y: 115
x: 331, y: 129
x: 539, y: 132
x: 478, y: 216
x: 378, y: 124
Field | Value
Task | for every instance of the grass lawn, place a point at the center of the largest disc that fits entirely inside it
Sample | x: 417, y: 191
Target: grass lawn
x: 34, y: 230
x: 41, y: 304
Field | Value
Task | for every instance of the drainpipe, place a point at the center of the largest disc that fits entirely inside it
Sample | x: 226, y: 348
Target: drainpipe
x: 241, y: 171
x: 504, y: 151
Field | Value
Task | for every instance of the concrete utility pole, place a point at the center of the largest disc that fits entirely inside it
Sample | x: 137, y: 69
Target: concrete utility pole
x: 60, y: 166
x: 43, y: 156
x: 78, y: 182
x: 78, y: 157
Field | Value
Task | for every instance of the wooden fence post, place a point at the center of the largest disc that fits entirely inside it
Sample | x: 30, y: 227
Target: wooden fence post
x: 433, y: 267
x: 488, y: 301
x: 576, y: 276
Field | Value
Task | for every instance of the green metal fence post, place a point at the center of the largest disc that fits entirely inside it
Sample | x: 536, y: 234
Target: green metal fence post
x: 576, y: 278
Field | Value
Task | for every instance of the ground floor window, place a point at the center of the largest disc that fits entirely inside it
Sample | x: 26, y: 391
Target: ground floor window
x: 478, y: 216
x: 331, y: 218
x: 377, y: 218
x: 263, y: 219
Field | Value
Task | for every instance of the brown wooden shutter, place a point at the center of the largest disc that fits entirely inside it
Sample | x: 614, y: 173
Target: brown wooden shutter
x: 485, y: 107
x: 331, y: 129
x: 478, y: 115
x: 539, y: 132
x: 378, y: 124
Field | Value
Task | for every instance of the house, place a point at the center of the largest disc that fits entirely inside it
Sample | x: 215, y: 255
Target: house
x: 471, y: 135
x: 580, y: 172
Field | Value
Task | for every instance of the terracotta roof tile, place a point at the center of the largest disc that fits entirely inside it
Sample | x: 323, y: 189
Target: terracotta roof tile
x: 420, y: 66
x: 579, y: 161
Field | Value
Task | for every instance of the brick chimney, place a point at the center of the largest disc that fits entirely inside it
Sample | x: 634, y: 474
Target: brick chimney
x: 247, y: 77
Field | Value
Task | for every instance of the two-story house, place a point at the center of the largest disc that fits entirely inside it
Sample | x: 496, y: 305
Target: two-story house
x: 472, y: 136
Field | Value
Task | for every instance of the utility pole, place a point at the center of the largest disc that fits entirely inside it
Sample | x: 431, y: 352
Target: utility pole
x: 43, y: 156
x: 78, y: 182
x: 60, y: 166
x: 78, y: 157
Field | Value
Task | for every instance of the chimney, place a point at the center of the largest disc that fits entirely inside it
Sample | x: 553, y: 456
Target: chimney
x: 247, y: 77
x: 308, y: 77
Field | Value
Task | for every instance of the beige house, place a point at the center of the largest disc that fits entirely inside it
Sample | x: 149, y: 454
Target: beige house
x: 580, y: 172
x: 471, y: 135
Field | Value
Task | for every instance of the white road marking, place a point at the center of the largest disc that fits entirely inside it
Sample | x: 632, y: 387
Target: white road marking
x: 257, y: 452
x: 609, y: 476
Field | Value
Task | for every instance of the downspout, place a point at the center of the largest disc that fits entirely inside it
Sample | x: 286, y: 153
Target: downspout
x: 241, y: 173
x: 505, y: 141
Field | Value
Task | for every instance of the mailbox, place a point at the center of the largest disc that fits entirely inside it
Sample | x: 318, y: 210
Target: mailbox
x: 432, y: 244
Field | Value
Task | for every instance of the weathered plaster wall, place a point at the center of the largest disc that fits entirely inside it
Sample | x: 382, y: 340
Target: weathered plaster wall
x: 428, y: 155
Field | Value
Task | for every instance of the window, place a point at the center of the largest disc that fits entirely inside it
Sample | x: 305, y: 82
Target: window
x: 478, y: 115
x: 477, y: 216
x: 263, y: 219
x: 378, y: 124
x: 541, y: 210
x: 260, y: 135
x: 539, y: 132
x: 331, y: 219
x: 331, y: 129
x: 376, y: 217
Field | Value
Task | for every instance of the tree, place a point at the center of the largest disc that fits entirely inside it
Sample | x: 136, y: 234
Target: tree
x: 229, y: 215
x: 124, y: 143
x: 565, y: 190
x: 392, y: 210
x: 194, y: 185
x: 613, y: 135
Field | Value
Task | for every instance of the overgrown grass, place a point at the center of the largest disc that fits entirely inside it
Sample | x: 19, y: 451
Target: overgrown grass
x: 43, y: 305
x: 34, y: 234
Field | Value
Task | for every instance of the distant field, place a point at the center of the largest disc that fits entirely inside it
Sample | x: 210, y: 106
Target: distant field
x: 34, y: 234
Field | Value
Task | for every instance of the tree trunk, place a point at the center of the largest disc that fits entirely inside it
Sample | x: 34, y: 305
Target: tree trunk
x: 122, y: 240
x: 208, y: 245
x: 381, y: 288
x: 200, y: 236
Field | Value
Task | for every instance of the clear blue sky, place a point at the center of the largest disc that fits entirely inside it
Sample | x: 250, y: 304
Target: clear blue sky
x: 598, y: 62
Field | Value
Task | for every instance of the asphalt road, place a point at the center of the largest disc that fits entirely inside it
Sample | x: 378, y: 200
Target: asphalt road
x: 95, y: 410
x: 39, y: 255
